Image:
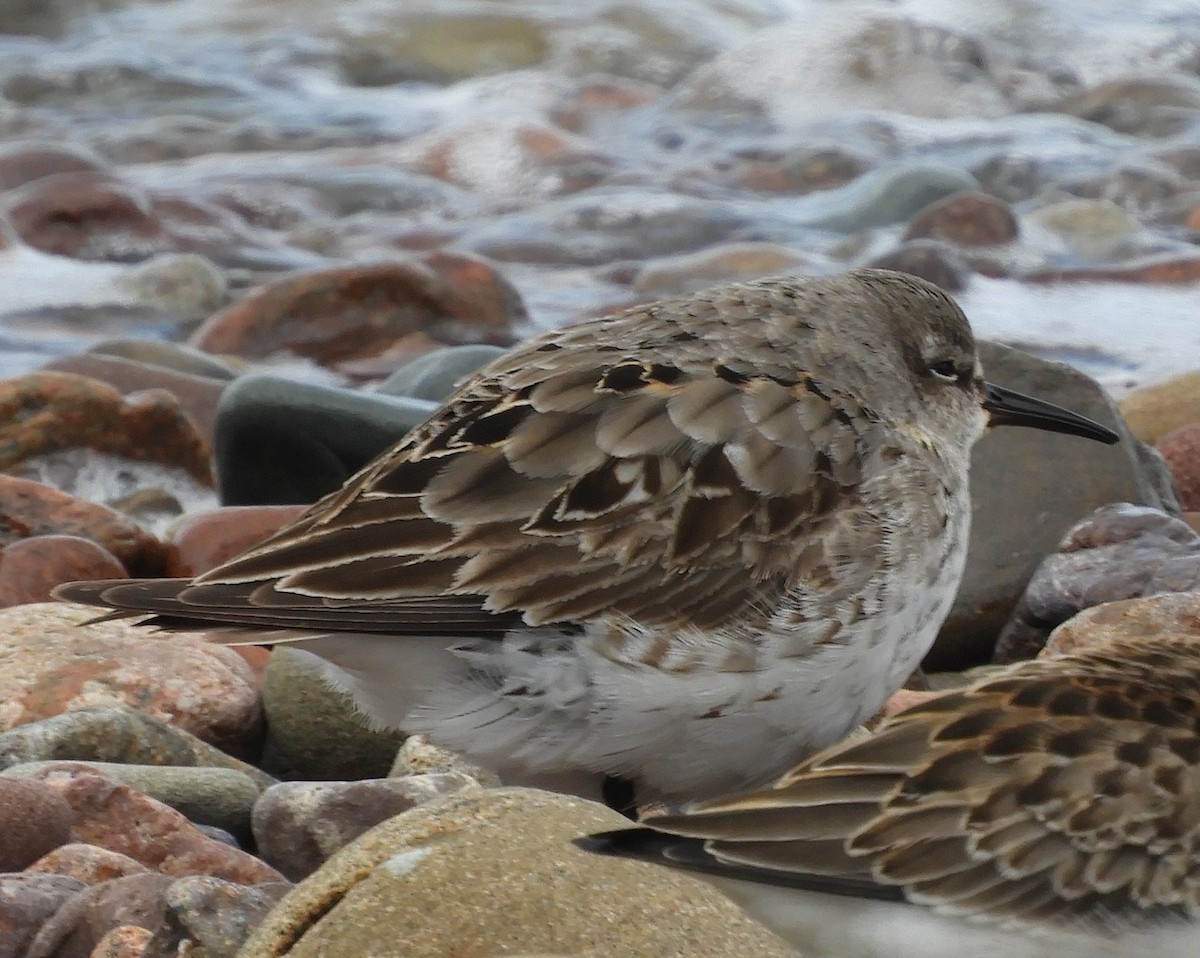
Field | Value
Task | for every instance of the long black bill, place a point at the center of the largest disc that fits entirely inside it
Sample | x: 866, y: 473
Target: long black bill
x: 1008, y: 408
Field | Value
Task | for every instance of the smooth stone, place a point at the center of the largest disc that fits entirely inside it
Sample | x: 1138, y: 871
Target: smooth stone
x: 298, y: 825
x: 1120, y: 551
x: 1153, y: 411
x: 725, y: 263
x: 966, y: 219
x: 175, y: 357
x: 539, y: 159
x: 1181, y: 450
x: 929, y: 259
x: 45, y: 412
x: 280, y: 442
x: 32, y: 509
x: 444, y: 47
x: 110, y: 734
x: 351, y: 312
x: 434, y: 376
x: 23, y: 161
x: 315, y: 731
x: 115, y: 816
x: 1089, y: 229
x: 197, y: 395
x: 206, y: 796
x: 89, y: 864
x: 184, y: 285
x: 419, y: 756
x: 605, y: 226
x: 31, y: 568
x: 1167, y: 616
x: 399, y: 892
x: 53, y: 664
x: 203, y: 540
x: 1021, y: 505
x: 34, y: 820
x: 27, y: 902
x: 884, y: 196
x: 1139, y: 106
x: 88, y: 215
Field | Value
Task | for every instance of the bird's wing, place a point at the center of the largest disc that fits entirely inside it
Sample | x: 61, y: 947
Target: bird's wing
x: 638, y: 470
x: 1066, y: 789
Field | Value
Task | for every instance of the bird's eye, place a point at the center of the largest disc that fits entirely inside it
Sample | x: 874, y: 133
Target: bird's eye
x: 945, y: 370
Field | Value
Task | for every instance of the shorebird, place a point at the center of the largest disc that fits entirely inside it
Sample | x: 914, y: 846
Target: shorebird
x: 675, y: 550
x: 1050, y: 812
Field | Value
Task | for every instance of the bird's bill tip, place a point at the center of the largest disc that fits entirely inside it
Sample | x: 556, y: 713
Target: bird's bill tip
x: 1006, y: 407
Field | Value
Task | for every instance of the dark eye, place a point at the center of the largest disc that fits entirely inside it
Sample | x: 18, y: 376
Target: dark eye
x: 945, y: 370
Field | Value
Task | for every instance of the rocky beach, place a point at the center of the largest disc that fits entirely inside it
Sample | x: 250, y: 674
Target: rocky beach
x: 245, y: 247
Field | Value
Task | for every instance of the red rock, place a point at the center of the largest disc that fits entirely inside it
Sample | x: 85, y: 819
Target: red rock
x: 29, y: 509
x: 1166, y: 614
x: 352, y: 312
x: 26, y: 902
x: 602, y: 98
x: 967, y: 219
x: 86, y: 215
x: 82, y: 923
x: 24, y: 162
x: 124, y: 941
x: 34, y: 819
x: 197, y: 395
x: 116, y: 817
x: 90, y: 864
x: 203, y: 540
x: 31, y: 568
x: 1181, y: 448
x: 50, y: 664
x: 45, y: 412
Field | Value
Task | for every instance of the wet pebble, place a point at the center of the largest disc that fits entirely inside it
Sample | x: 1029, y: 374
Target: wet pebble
x: 965, y: 219
x: 352, y: 312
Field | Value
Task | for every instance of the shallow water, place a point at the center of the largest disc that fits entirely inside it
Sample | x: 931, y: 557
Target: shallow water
x: 577, y: 144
